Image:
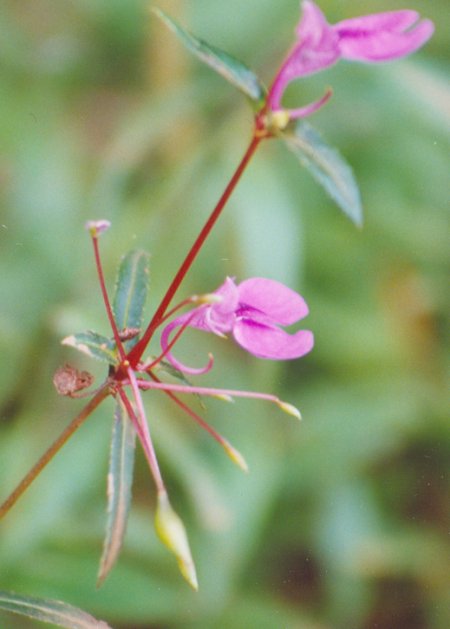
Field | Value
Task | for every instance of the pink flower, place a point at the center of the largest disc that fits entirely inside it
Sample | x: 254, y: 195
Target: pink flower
x: 370, y: 38
x: 252, y: 311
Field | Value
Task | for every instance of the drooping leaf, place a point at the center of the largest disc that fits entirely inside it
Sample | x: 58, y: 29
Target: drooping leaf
x: 50, y: 611
x: 328, y: 168
x: 120, y: 478
x: 131, y: 292
x: 234, y: 71
x: 94, y: 345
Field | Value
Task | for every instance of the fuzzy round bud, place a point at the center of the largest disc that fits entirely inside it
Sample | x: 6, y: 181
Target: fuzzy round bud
x: 95, y: 228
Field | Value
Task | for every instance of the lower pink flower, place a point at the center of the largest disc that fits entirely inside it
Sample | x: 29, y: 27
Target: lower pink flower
x: 253, y: 312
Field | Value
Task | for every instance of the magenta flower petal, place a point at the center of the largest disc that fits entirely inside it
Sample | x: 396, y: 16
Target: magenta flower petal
x: 317, y: 48
x: 388, y: 41
x: 219, y: 317
x: 275, y: 300
x: 396, y: 21
x: 313, y: 26
x: 253, y: 312
x: 370, y: 38
x: 269, y: 341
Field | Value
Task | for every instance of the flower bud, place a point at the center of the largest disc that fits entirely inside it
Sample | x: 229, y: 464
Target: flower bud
x: 171, y: 532
x: 95, y: 228
x: 234, y: 455
x: 290, y: 409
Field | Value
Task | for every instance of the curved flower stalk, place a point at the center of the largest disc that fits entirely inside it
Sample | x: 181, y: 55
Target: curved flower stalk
x: 370, y: 38
x: 252, y: 312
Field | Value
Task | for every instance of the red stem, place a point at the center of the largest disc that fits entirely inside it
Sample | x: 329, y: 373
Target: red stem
x: 137, y: 351
x: 109, y: 311
x: 52, y: 450
x: 215, y: 435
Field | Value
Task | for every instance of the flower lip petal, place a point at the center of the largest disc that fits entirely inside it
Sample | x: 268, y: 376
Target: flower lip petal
x: 384, y: 45
x: 270, y: 342
x: 273, y: 299
x: 396, y: 21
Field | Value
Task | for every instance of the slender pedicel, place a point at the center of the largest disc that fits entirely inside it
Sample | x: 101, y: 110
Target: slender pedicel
x: 143, y: 430
x: 233, y: 454
x: 217, y: 393
x: 95, y: 228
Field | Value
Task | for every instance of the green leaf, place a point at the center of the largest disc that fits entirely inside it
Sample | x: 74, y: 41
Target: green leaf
x: 94, y: 345
x: 46, y: 610
x: 234, y: 71
x: 131, y: 291
x: 328, y: 168
x: 120, y: 478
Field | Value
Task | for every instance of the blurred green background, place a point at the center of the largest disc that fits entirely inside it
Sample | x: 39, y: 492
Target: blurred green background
x: 343, y: 519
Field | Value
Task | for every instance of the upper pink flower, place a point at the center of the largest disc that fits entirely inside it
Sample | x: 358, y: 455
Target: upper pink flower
x: 370, y: 38
x: 252, y: 311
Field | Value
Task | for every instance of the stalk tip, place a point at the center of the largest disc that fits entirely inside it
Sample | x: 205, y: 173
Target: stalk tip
x: 235, y: 455
x: 95, y: 228
x: 171, y: 532
x: 290, y: 409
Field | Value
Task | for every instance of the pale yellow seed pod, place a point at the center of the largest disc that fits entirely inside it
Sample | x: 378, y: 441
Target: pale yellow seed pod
x: 224, y: 397
x: 207, y: 298
x: 235, y: 455
x: 290, y: 409
x: 171, y: 532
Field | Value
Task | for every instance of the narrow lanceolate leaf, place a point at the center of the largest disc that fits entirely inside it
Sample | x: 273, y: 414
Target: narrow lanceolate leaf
x: 234, y: 71
x: 45, y: 610
x: 120, y: 478
x: 328, y: 168
x: 131, y: 292
x: 94, y: 345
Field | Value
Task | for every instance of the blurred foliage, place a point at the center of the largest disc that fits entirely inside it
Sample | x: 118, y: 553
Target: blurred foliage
x: 342, y: 520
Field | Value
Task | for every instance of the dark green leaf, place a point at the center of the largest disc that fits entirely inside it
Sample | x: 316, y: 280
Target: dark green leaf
x: 120, y: 478
x: 131, y: 291
x: 231, y: 69
x: 94, y: 345
x: 45, y: 610
x: 328, y: 168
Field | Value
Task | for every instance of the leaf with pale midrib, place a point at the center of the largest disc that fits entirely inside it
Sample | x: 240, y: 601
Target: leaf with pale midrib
x: 327, y: 167
x: 234, y: 71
